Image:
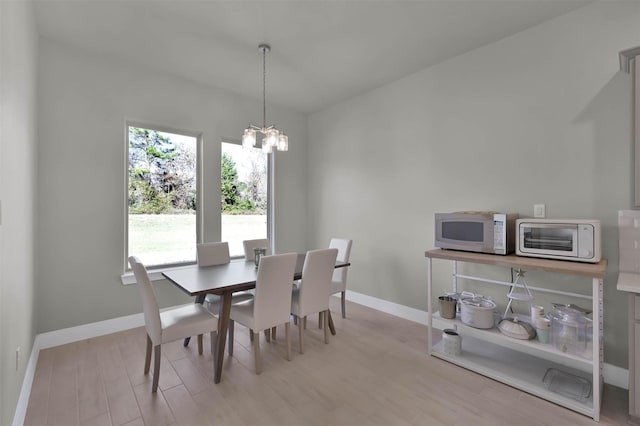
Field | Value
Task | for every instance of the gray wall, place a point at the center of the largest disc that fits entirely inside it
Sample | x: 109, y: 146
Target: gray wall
x: 18, y: 47
x: 543, y: 116
x: 84, y: 101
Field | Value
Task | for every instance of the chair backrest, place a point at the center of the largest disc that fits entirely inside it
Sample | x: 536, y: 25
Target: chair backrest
x: 149, y: 301
x: 249, y: 245
x: 211, y: 254
x: 315, y: 285
x: 272, y: 300
x: 344, y: 252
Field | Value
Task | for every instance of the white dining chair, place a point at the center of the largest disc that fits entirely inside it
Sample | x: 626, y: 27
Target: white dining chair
x: 271, y: 303
x: 313, y: 292
x: 249, y: 256
x: 213, y: 254
x: 249, y: 245
x: 339, y: 279
x: 169, y: 325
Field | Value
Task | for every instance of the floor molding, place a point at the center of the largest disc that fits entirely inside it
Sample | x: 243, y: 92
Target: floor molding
x: 401, y: 311
x: 613, y: 375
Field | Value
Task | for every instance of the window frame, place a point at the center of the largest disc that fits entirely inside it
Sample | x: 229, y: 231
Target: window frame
x: 127, y: 277
x: 270, y: 194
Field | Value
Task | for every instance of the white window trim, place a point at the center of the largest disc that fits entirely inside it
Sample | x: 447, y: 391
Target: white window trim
x: 155, y: 274
x: 271, y: 200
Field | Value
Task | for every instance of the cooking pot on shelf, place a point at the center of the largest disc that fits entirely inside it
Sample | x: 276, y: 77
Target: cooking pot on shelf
x: 477, y: 312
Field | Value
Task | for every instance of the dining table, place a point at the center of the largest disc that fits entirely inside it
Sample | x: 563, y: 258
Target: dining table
x: 224, y: 280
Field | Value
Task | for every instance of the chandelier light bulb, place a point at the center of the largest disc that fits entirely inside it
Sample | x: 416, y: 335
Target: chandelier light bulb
x: 272, y: 137
x: 267, y: 148
x: 249, y: 138
x: 283, y: 142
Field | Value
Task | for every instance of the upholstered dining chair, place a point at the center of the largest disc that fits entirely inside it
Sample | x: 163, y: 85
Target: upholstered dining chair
x: 271, y: 303
x: 170, y: 325
x: 339, y: 279
x: 213, y: 254
x: 249, y: 245
x: 312, y: 294
x: 249, y: 255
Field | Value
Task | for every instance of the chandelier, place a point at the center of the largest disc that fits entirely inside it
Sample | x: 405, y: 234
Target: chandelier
x: 273, y: 138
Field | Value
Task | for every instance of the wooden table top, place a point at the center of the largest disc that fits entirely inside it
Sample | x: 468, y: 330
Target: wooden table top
x: 237, y: 275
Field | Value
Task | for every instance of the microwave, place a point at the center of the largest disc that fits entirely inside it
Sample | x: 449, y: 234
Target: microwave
x: 483, y: 232
x: 568, y: 239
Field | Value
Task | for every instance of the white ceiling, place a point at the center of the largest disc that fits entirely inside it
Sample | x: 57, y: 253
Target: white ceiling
x: 323, y: 52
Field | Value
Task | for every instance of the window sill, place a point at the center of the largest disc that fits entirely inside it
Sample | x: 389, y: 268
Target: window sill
x: 154, y: 274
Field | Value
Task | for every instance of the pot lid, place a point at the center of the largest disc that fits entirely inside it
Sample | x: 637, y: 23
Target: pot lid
x: 479, y: 302
x: 512, y: 327
x: 569, y: 316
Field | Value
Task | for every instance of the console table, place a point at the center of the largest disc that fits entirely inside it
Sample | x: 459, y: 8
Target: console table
x: 523, y: 363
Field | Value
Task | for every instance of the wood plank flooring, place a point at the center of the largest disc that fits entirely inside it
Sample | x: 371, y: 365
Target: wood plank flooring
x: 375, y: 371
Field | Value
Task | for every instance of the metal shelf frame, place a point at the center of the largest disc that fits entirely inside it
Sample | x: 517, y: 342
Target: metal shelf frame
x: 540, y: 354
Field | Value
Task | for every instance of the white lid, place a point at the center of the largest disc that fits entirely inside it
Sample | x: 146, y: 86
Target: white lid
x: 543, y: 322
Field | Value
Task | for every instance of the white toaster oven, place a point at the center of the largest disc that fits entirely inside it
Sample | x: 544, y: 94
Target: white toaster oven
x: 564, y: 239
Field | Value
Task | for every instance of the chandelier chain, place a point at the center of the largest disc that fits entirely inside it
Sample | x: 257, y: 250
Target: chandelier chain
x: 264, y: 88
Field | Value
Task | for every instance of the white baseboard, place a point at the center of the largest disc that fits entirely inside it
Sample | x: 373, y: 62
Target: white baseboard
x: 401, y: 311
x: 616, y: 376
x: 25, y: 391
x: 613, y: 375
x: 87, y: 331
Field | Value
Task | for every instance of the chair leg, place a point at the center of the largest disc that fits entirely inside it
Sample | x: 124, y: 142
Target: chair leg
x: 300, y: 328
x: 199, y: 344
x: 325, y: 322
x: 273, y: 333
x: 344, y: 296
x: 304, y: 321
x: 256, y: 353
x: 147, y: 356
x: 231, y: 334
x: 287, y: 334
x: 267, y: 334
x: 319, y: 319
x: 332, y: 327
x: 156, y: 368
x: 295, y: 320
x: 251, y: 335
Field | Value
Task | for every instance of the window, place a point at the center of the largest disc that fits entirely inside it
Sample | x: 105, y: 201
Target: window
x: 162, y: 202
x: 244, y: 196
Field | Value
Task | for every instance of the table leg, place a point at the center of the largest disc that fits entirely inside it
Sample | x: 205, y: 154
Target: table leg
x: 223, y: 326
x: 331, y: 326
x: 200, y: 300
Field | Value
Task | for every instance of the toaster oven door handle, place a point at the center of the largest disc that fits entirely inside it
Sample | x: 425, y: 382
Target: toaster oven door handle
x: 548, y: 225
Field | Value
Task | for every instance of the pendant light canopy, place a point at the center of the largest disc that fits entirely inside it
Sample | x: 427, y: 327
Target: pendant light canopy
x: 272, y: 137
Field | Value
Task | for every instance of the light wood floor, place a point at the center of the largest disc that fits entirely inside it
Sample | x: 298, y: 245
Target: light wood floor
x: 375, y: 371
